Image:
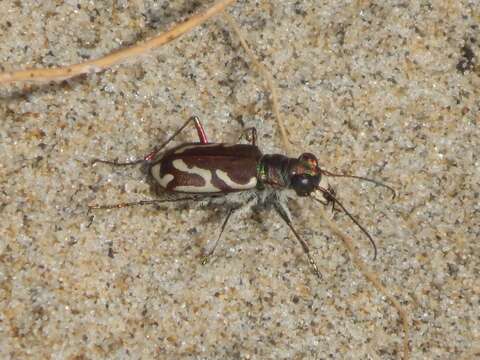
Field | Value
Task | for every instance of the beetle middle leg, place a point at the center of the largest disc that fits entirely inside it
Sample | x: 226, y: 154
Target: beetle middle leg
x: 250, y: 134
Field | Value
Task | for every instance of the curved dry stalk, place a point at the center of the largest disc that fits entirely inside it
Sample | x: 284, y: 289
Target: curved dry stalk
x: 372, y: 277
x: 268, y: 79
x: 101, y: 64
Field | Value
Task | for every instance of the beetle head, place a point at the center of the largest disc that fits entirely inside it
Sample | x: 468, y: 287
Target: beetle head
x: 304, y: 174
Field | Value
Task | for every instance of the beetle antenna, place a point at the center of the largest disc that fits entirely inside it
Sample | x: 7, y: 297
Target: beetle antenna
x: 329, y: 196
x: 328, y: 173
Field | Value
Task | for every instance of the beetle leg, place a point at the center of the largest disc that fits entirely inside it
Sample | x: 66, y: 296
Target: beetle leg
x: 202, y: 135
x: 284, y: 215
x: 143, y: 202
x: 117, y: 163
x: 331, y: 195
x: 157, y: 149
x: 252, y: 137
x: 207, y: 256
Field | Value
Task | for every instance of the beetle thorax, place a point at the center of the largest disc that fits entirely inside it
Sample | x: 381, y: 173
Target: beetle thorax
x: 273, y: 170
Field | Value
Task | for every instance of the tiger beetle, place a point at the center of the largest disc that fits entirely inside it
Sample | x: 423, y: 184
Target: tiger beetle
x: 204, y: 171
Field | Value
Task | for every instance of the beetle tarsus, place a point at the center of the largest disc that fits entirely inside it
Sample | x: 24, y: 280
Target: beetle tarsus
x: 252, y: 137
x: 314, y: 266
x: 117, y: 163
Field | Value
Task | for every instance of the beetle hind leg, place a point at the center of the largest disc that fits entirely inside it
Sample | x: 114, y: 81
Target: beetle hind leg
x: 117, y: 163
x: 210, y: 252
x: 148, y: 158
x: 202, y: 135
x: 142, y: 202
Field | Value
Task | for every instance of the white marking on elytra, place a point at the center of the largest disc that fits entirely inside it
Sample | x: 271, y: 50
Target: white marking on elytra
x: 222, y: 175
x: 163, y: 181
x: 205, y: 174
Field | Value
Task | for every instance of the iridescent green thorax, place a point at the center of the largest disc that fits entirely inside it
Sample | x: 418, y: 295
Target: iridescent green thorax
x: 261, y: 175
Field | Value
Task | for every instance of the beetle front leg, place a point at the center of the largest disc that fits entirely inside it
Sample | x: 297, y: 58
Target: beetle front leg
x: 285, y: 217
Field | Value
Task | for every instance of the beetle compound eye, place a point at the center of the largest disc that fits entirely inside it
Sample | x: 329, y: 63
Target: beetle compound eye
x: 304, y: 184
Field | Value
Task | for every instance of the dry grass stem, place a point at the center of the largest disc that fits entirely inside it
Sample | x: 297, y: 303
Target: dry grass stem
x: 372, y: 277
x: 98, y: 65
x: 268, y: 79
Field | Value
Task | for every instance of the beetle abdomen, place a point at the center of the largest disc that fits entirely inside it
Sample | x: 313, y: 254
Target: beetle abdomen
x: 207, y: 168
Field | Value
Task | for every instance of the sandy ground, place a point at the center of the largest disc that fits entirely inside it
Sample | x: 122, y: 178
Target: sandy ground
x: 386, y: 91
